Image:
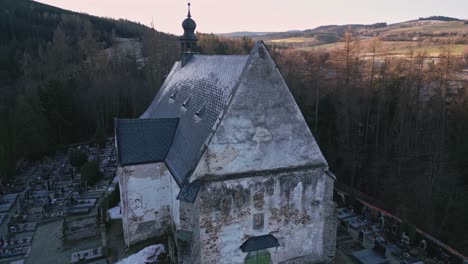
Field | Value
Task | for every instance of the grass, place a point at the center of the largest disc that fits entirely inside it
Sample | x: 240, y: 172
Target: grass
x: 293, y: 40
x: 432, y: 50
x: 325, y: 47
x: 436, y: 27
x: 393, y: 47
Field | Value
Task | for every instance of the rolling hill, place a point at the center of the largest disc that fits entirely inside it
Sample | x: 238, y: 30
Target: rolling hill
x: 423, y: 34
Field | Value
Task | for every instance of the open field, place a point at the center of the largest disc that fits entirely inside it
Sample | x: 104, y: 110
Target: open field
x: 294, y: 40
x: 451, y: 28
x: 395, y: 47
x: 432, y: 50
x: 435, y: 27
x: 397, y: 39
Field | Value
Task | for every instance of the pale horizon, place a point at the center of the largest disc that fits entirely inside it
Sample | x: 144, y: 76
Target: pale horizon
x: 215, y: 16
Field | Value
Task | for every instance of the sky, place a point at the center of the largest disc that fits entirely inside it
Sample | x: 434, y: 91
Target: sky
x: 222, y: 16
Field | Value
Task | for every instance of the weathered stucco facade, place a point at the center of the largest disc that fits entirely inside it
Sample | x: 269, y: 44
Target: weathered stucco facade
x: 148, y: 201
x: 263, y: 165
x: 262, y: 128
x: 258, y: 172
x: 291, y: 205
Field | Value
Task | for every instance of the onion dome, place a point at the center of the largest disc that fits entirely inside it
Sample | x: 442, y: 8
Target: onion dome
x: 189, y: 27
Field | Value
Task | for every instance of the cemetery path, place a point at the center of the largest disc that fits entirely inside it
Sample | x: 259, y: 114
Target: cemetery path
x: 48, y: 247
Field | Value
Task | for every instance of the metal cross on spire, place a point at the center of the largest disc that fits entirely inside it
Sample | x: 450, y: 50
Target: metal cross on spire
x: 189, y: 15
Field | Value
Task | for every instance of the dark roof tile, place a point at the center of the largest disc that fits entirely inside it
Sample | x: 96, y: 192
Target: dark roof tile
x: 144, y: 140
x: 204, y: 84
x: 188, y: 193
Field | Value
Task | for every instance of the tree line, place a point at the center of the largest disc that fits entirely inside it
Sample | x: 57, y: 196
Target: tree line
x: 66, y: 76
x: 391, y: 127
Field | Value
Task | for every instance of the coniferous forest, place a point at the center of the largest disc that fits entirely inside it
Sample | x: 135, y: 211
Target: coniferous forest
x: 65, y: 76
x: 391, y: 128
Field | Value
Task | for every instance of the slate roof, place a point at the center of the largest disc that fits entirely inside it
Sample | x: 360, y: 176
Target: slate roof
x: 144, y: 140
x: 188, y: 193
x: 197, y: 94
x: 259, y: 243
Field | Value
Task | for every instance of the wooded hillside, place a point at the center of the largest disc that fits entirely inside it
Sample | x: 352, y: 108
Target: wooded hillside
x: 392, y: 128
x: 65, y: 76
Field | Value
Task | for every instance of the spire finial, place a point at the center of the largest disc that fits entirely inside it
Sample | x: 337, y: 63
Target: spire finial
x: 189, y: 15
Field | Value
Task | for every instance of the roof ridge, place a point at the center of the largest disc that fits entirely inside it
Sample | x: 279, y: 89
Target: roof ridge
x: 163, y: 86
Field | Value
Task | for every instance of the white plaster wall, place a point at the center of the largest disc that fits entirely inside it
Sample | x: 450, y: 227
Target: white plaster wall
x: 148, y: 194
x: 175, y: 204
x: 293, y: 208
x: 263, y: 127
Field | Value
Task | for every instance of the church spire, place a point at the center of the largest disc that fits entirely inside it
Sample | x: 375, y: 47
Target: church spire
x: 188, y: 41
x: 189, y: 15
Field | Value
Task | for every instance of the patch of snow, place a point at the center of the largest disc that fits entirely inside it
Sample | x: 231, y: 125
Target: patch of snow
x: 115, y: 212
x: 116, y: 179
x: 21, y: 261
x: 147, y: 255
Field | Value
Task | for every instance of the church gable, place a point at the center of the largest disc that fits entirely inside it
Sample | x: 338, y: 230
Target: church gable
x: 263, y: 128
